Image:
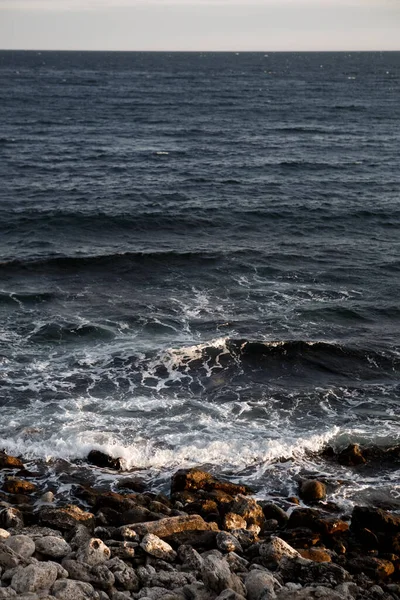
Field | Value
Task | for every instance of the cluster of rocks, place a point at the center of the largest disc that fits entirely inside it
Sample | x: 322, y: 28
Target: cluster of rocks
x: 210, y: 540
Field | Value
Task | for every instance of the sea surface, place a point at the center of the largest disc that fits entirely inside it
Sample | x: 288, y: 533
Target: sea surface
x: 200, y: 265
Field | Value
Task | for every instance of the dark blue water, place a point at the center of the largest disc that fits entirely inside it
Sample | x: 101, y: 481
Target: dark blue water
x: 199, y: 261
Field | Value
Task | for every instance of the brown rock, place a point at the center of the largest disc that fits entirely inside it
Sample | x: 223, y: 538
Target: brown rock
x: 195, y: 479
x: 18, y: 486
x: 304, y: 517
x: 332, y: 526
x: 272, y: 511
x: 204, y: 540
x: 65, y: 518
x: 10, y: 462
x: 301, y: 537
x: 233, y: 521
x: 351, y: 456
x: 169, y: 526
x: 376, y: 568
x: 316, y: 555
x: 374, y: 519
x: 312, y: 490
x: 249, y: 509
x: 202, y: 507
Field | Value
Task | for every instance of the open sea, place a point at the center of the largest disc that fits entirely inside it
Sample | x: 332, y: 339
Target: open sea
x: 200, y: 265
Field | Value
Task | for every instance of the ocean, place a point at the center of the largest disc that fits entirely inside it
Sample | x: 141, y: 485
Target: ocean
x: 199, y: 266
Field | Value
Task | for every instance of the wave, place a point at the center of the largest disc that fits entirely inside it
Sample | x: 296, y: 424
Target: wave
x: 62, y: 333
x: 25, y: 297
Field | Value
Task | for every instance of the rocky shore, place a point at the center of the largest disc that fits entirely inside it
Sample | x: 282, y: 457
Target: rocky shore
x: 210, y: 539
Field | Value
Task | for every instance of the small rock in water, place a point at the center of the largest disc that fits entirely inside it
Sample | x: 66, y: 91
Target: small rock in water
x: 312, y: 490
x: 10, y: 462
x: 156, y: 547
x: 18, y: 486
x: 103, y: 460
x: 351, y: 456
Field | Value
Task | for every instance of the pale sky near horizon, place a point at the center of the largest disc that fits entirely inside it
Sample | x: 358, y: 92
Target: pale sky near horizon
x: 257, y: 25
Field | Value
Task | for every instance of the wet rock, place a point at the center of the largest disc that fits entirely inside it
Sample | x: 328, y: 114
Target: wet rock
x: 275, y: 550
x: 374, y: 519
x: 217, y: 576
x: 304, y: 518
x: 10, y: 462
x: 65, y: 518
x: 136, y: 484
x: 316, y: 555
x: 249, y: 509
x: 312, y: 490
x: 233, y: 521
x: 74, y: 590
x: 351, y: 456
x: 100, y: 459
x: 18, y: 486
x: 195, y: 479
x: 153, y: 545
x: 93, y: 552
x: 272, y: 511
x: 21, y: 544
x: 168, y: 526
x: 260, y: 585
x: 55, y: 547
x: 33, y: 578
x: 227, y: 542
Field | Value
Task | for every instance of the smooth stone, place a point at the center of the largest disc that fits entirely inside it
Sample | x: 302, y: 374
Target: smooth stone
x: 52, y: 546
x: 22, y: 545
x: 312, y: 490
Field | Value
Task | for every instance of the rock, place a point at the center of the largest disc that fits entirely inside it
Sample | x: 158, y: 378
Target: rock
x: 260, y: 585
x: 195, y: 479
x: 67, y: 589
x: 168, y: 526
x: 93, y: 552
x: 190, y: 557
x: 249, y: 509
x: 316, y: 555
x: 4, y: 535
x: 10, y: 462
x: 275, y: 550
x: 136, y: 484
x: 331, y: 526
x: 301, y: 537
x: 21, y: 544
x: 100, y: 459
x: 374, y: 519
x: 226, y: 542
x: 65, y: 518
x: 245, y: 537
x: 52, y: 546
x: 18, y: 486
x: 33, y: 578
x: 7, y: 593
x: 11, y: 517
x: 8, y: 558
x: 376, y: 568
x: 306, y: 572
x: 312, y: 490
x: 230, y: 595
x: 125, y: 577
x: 217, y: 576
x: 304, y: 518
x: 47, y: 497
x: 311, y: 593
x: 351, y: 456
x: 237, y: 564
x: 232, y: 521
x: 272, y: 511
x: 156, y: 547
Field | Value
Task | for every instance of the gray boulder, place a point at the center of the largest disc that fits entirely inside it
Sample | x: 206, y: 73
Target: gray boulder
x: 217, y: 576
x: 261, y: 585
x: 67, y: 589
x: 93, y: 552
x: 55, y: 547
x: 35, y: 577
x: 153, y: 545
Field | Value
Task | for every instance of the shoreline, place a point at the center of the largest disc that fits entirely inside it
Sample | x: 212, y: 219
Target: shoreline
x: 208, y: 539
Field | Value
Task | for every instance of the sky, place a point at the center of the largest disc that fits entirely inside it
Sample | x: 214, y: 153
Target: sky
x: 200, y: 25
